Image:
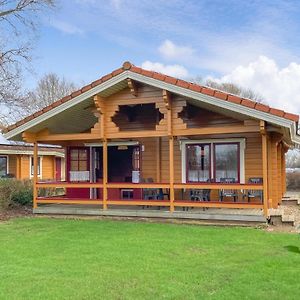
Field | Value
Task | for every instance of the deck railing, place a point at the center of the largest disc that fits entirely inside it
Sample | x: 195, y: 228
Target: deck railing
x: 179, y: 188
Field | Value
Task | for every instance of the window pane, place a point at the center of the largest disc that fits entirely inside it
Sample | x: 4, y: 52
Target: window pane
x: 226, y: 161
x: 198, y: 163
x: 82, y: 154
x: 74, y: 154
x: 83, y: 165
x: 74, y: 166
x: 3, y: 166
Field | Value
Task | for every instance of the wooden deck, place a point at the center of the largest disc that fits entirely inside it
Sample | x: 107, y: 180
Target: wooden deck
x: 210, y: 214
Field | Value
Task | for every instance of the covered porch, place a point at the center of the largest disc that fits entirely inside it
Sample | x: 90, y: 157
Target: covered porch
x: 174, y: 174
x: 138, y: 139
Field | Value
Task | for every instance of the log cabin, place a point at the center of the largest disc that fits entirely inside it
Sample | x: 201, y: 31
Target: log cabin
x: 16, y: 161
x: 138, y: 138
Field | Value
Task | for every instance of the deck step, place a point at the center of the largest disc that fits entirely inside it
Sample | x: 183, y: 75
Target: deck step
x: 290, y: 201
x: 71, y: 210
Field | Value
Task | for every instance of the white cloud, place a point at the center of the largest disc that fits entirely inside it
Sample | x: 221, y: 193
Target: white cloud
x: 279, y: 86
x: 66, y: 27
x: 172, y: 70
x: 171, y: 51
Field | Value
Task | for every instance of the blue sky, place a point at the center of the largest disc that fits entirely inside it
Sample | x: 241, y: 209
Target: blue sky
x: 253, y: 43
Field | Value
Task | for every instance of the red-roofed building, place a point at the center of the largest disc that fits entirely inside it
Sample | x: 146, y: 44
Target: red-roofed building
x: 137, y: 138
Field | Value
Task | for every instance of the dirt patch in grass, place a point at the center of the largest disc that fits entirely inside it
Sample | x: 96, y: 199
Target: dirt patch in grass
x: 15, y: 212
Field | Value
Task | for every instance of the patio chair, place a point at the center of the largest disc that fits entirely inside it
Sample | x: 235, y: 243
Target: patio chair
x: 228, y: 192
x: 200, y: 195
x: 254, y: 193
x: 149, y: 193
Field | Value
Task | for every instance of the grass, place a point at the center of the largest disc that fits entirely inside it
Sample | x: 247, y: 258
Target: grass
x: 101, y: 259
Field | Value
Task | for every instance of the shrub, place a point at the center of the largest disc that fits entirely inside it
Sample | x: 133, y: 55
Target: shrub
x: 293, y: 181
x: 23, y: 193
x: 14, y: 191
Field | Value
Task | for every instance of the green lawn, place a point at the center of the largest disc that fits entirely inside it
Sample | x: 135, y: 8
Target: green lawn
x: 93, y: 259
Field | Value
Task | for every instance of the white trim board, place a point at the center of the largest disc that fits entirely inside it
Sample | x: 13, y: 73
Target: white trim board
x: 291, y: 125
x: 21, y: 152
x: 242, y: 142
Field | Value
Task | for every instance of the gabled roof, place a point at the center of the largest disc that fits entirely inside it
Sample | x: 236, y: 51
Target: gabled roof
x: 166, y: 81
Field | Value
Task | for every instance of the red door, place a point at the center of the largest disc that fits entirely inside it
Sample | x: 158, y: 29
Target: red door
x: 57, y: 168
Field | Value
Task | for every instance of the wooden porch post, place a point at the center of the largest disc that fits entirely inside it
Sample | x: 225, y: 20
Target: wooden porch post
x: 104, y: 173
x: 35, y: 173
x: 264, y: 166
x: 168, y: 106
x: 171, y: 175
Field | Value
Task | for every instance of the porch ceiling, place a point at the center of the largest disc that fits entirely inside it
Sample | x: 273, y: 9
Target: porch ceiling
x: 75, y: 119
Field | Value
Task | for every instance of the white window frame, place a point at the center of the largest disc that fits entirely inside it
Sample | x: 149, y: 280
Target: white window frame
x: 7, y: 163
x: 31, y: 164
x: 241, y: 141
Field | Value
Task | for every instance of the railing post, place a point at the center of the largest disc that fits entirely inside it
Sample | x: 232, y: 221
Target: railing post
x: 264, y: 166
x: 104, y: 149
x: 35, y: 173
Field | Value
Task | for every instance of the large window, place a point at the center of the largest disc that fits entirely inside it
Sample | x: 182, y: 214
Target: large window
x: 212, y: 161
x: 198, y: 163
x: 3, y: 165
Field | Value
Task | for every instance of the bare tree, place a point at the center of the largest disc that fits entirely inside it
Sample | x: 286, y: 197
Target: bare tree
x: 231, y: 88
x: 293, y: 158
x: 49, y: 89
x: 19, y: 20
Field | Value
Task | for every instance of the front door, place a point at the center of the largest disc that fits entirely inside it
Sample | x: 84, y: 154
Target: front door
x: 122, y: 160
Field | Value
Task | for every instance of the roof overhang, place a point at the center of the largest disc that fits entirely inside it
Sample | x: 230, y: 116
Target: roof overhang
x: 110, y: 83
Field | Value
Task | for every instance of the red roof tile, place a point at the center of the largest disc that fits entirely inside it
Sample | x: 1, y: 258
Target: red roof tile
x: 168, y: 79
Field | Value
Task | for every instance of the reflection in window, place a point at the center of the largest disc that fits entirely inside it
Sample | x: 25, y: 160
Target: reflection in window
x: 226, y: 161
x: 198, y: 163
x: 3, y: 165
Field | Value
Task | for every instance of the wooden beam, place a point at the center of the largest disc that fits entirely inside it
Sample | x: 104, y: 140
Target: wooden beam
x: 171, y: 172
x: 265, y: 168
x: 136, y: 134
x: 100, y: 105
x: 218, y: 186
x: 128, y: 185
x: 217, y: 204
x: 35, y: 173
x: 105, y: 173
x: 132, y: 86
x: 73, y: 185
x: 18, y: 166
x: 67, y: 137
x: 158, y: 159
x: 68, y: 201
x: 216, y: 130
x: 167, y: 100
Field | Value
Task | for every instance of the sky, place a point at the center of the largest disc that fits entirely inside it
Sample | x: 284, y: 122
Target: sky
x: 255, y: 44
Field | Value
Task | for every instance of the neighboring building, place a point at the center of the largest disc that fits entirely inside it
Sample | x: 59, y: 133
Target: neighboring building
x: 16, y: 160
x: 139, y: 138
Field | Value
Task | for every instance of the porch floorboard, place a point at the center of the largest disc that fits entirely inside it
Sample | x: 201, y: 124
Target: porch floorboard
x: 213, y: 214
